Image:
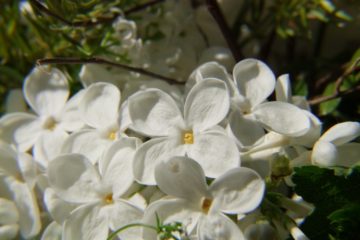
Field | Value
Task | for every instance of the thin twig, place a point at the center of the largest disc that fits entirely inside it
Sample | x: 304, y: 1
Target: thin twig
x: 216, y: 13
x: 45, y: 10
x: 96, y: 60
x: 92, y: 22
x: 338, y: 93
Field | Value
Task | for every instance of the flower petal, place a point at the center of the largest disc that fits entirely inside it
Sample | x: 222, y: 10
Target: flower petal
x: 181, y: 177
x: 215, y: 152
x: 170, y: 211
x: 122, y: 213
x: 240, y: 190
x: 246, y: 130
x: 46, y: 91
x: 21, y: 129
x: 8, y: 162
x: 342, y: 133
x: 324, y: 154
x: 89, y: 143
x: 86, y: 223
x: 283, y: 89
x: 15, y: 101
x: 116, y: 165
x: 74, y: 178
x: 348, y: 154
x: 154, y: 113
x: 218, y: 226
x: 150, y: 154
x: 207, y: 103
x: 27, y: 206
x: 71, y: 119
x: 8, y: 212
x: 282, y: 118
x: 254, y: 79
x: 52, y: 232
x: 58, y: 208
x: 100, y: 105
x: 48, y: 146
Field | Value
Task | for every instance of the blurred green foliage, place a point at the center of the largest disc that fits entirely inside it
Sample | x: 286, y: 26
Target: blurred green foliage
x: 83, y: 28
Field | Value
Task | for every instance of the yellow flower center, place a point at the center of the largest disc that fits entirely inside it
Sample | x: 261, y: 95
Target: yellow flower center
x: 112, y: 135
x: 50, y: 123
x: 188, y: 137
x: 108, y: 199
x: 206, y: 204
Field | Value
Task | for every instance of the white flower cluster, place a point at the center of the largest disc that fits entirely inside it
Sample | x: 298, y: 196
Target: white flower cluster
x: 79, y: 167
x: 151, y: 159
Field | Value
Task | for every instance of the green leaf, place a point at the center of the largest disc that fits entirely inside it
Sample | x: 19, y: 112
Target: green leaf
x: 334, y: 194
x: 328, y: 107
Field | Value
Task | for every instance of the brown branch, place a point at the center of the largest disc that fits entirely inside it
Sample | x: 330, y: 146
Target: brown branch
x: 92, y: 22
x: 335, y: 95
x: 338, y: 93
x: 216, y: 13
x: 101, y: 61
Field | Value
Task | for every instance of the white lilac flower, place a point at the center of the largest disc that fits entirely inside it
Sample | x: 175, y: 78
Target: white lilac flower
x: 251, y: 84
x: 193, y: 132
x: 97, y: 191
x: 334, y: 147
x: 9, y: 219
x: 47, y: 94
x: 200, y: 208
x: 100, y: 110
x: 17, y: 181
x: 255, y: 82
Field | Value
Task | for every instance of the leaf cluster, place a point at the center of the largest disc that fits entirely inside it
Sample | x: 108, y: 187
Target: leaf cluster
x: 335, y: 194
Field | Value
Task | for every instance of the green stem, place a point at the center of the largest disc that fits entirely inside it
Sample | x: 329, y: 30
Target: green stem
x: 112, y: 235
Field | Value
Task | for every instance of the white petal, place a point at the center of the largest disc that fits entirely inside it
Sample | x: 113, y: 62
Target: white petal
x: 21, y: 129
x: 86, y: 223
x: 154, y: 113
x: 283, y: 89
x: 207, y: 104
x: 218, y: 226
x: 26, y: 204
x: 8, y: 162
x: 282, y: 118
x: 52, y: 232
x: 240, y: 190
x: 215, y: 152
x: 348, y: 154
x: 46, y: 91
x: 122, y: 213
x: 150, y: 154
x: 58, y: 208
x: 246, y: 130
x: 324, y: 154
x: 170, y: 211
x: 116, y: 165
x: 71, y: 119
x: 89, y: 143
x: 9, y: 231
x: 342, y: 133
x: 74, y: 178
x: 48, y: 146
x: 8, y: 212
x: 181, y: 177
x: 27, y: 168
x: 254, y: 79
x: 15, y: 101
x: 100, y: 105
x: 312, y: 135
